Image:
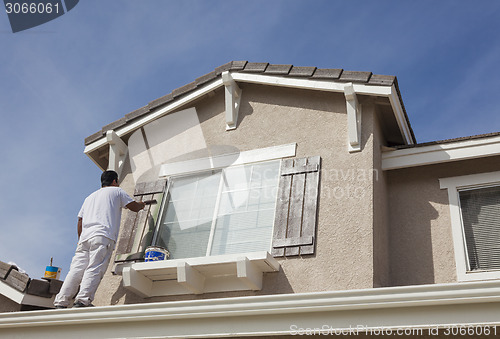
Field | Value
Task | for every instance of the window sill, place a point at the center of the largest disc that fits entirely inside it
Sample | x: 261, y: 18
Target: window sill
x: 238, y: 272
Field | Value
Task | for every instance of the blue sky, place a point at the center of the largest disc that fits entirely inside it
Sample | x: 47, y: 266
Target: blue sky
x: 64, y: 80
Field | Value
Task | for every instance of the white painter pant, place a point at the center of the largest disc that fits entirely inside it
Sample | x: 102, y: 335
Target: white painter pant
x: 87, y: 268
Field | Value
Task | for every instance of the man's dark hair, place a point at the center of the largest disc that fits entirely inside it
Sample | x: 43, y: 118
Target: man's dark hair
x: 107, y: 178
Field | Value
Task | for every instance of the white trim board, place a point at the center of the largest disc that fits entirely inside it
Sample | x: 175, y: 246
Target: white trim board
x: 225, y: 160
x: 441, y: 153
x: 23, y: 298
x: 453, y: 185
x: 425, y: 307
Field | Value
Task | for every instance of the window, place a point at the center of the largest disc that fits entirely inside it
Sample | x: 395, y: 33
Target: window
x: 475, y: 216
x: 222, y: 221
x: 218, y: 212
x: 480, y: 209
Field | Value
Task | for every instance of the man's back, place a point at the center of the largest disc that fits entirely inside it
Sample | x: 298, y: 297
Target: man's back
x: 101, y: 213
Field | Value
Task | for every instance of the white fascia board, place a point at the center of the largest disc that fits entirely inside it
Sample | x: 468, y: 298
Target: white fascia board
x: 397, y: 108
x: 441, y: 153
x: 177, y: 103
x: 23, y: 298
x: 324, y: 85
x: 420, y: 307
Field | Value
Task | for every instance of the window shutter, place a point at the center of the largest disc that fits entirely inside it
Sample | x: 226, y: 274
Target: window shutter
x: 481, y: 221
x: 296, y: 208
x: 137, y: 230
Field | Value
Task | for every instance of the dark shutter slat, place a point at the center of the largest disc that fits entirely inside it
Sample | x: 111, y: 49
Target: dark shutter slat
x: 296, y: 207
x: 308, y: 240
x: 124, y: 242
x: 136, y: 232
x: 301, y: 168
x: 310, y: 205
x: 281, y: 217
x: 152, y: 187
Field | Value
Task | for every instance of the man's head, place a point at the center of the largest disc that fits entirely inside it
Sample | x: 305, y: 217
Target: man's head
x: 109, y: 178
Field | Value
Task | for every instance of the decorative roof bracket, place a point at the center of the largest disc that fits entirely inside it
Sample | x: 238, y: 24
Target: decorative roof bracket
x: 233, y: 98
x: 117, y: 151
x: 353, y: 119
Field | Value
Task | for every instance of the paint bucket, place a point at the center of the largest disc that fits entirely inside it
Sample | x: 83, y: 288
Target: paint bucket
x: 52, y: 272
x: 154, y: 253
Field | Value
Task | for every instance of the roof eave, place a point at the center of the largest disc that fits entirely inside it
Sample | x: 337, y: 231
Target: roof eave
x: 364, y: 83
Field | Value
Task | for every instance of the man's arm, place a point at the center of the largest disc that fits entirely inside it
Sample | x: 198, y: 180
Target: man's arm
x: 135, y: 206
x: 79, y: 227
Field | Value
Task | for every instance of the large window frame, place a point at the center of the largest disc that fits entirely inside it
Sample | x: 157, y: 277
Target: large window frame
x: 230, y: 272
x: 455, y: 185
x: 223, y: 190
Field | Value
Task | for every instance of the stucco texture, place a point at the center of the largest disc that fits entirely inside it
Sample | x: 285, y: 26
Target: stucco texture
x: 317, y: 122
x: 7, y: 305
x: 421, y: 245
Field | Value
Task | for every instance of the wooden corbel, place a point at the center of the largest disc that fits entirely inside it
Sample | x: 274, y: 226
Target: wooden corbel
x: 353, y: 119
x: 233, y: 98
x: 117, y: 151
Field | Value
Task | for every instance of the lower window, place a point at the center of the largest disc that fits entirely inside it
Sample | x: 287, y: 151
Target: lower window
x: 480, y: 209
x: 225, y: 211
x: 475, y: 219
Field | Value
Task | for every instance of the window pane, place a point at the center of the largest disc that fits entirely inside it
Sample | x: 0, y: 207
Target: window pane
x: 481, y: 221
x: 246, y: 212
x: 185, y: 227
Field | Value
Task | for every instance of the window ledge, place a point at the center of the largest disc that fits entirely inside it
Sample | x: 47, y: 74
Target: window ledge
x: 235, y: 272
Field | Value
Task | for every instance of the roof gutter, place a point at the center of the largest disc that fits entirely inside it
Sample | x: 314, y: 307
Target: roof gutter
x: 423, y: 308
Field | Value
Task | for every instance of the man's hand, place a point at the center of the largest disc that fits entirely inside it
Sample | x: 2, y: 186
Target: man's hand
x: 136, y: 206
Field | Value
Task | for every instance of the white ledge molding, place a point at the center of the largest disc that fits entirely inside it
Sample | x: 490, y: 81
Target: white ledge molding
x: 220, y: 273
x: 233, y: 98
x: 353, y: 119
x: 117, y: 151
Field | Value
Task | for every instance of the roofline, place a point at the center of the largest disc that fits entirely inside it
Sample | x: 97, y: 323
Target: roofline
x: 421, y: 307
x: 383, y: 86
x: 445, y: 151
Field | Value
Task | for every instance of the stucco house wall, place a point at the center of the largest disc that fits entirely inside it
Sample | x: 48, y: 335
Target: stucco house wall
x: 316, y: 121
x: 7, y: 305
x: 421, y: 245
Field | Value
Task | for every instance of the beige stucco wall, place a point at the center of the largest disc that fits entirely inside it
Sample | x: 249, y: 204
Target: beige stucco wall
x: 317, y: 122
x: 421, y: 245
x: 7, y: 305
x: 381, y: 233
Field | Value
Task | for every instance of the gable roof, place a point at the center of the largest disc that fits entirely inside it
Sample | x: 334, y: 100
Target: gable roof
x: 286, y: 71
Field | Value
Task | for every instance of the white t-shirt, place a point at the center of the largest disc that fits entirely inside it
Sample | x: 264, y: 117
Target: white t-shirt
x: 101, y: 213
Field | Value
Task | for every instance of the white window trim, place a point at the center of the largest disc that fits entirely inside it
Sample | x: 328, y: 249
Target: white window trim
x: 454, y: 184
x: 226, y: 160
